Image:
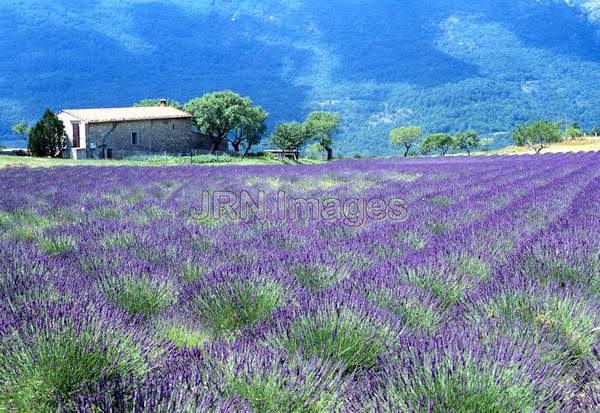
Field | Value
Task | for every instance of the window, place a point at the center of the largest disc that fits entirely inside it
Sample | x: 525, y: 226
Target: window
x: 76, y: 134
x: 134, y: 138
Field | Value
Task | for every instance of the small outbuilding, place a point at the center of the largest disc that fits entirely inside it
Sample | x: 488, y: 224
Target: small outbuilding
x: 121, y: 132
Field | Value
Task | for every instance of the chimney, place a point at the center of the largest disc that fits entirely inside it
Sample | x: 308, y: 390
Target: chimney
x: 163, y: 103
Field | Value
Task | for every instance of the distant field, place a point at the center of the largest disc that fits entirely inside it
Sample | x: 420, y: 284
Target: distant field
x: 584, y: 145
x: 431, y: 284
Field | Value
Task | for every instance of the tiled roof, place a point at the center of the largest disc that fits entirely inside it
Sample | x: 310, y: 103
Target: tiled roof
x: 126, y: 114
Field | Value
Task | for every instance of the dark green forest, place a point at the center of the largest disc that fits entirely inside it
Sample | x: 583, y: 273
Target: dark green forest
x: 442, y: 64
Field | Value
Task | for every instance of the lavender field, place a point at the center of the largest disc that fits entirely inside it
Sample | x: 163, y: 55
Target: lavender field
x: 117, y: 295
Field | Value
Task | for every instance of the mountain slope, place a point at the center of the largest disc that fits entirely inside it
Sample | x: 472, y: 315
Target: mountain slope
x: 486, y: 64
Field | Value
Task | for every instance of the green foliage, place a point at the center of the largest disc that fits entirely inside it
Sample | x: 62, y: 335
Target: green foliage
x: 61, y: 244
x: 318, y: 276
x: 466, y: 386
x: 315, y: 150
x: 416, y: 316
x: 51, y: 370
x: 467, y: 141
x: 573, y: 132
x: 138, y: 294
x: 322, y: 126
x: 441, y: 142
x: 47, y: 137
x: 251, y: 129
x: 289, y: 136
x: 22, y: 129
x: 595, y: 131
x: 563, y: 320
x: 218, y: 114
x: 156, y: 102
x: 537, y: 135
x: 243, y: 304
x: 406, y: 137
x: 186, y: 337
x: 340, y: 336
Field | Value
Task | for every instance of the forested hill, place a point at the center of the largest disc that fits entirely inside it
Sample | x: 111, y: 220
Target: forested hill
x: 444, y: 64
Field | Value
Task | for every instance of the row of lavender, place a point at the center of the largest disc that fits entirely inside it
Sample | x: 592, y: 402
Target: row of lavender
x: 113, y: 297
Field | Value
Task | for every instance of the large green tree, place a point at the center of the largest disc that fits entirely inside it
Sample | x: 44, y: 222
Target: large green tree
x: 322, y: 126
x: 406, y: 137
x: 467, y: 141
x: 537, y: 135
x: 290, y: 136
x: 218, y: 114
x: 47, y: 137
x: 156, y: 102
x: 251, y: 129
x: 441, y: 142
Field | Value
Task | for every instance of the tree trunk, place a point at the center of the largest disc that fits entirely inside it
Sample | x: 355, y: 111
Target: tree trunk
x: 215, y: 146
x: 247, y: 150
x: 216, y: 142
x: 406, y: 151
x: 236, y: 146
x: 329, y: 153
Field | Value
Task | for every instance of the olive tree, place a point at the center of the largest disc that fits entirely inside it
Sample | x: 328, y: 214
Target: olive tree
x: 250, y: 130
x: 467, y: 141
x: 537, y: 135
x: 406, y: 137
x: 322, y: 126
x: 290, y: 136
x: 441, y: 142
x: 218, y: 114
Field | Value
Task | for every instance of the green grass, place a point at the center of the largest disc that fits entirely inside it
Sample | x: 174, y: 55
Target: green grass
x: 31, y: 162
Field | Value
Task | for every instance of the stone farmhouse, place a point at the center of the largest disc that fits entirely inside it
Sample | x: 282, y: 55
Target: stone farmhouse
x: 116, y: 133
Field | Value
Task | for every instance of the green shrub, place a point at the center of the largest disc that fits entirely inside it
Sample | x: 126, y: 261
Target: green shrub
x: 139, y: 294
x: 61, y: 244
x: 229, y: 306
x: 47, y: 374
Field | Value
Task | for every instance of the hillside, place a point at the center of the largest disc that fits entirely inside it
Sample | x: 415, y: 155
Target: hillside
x: 447, y: 66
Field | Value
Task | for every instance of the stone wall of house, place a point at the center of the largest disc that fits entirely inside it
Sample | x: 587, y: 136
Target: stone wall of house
x: 153, y: 136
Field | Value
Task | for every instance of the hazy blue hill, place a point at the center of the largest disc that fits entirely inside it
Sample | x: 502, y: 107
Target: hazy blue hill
x: 444, y: 64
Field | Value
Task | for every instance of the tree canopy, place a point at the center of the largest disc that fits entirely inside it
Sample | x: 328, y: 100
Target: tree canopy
x: 467, y: 141
x: 406, y: 137
x: 537, y: 135
x: 574, y: 131
x: 251, y: 129
x: 441, y: 142
x: 47, y: 137
x: 289, y: 136
x: 322, y: 126
x: 21, y: 129
x: 218, y: 114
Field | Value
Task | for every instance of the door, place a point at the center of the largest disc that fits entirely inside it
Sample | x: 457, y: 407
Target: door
x: 75, y: 135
